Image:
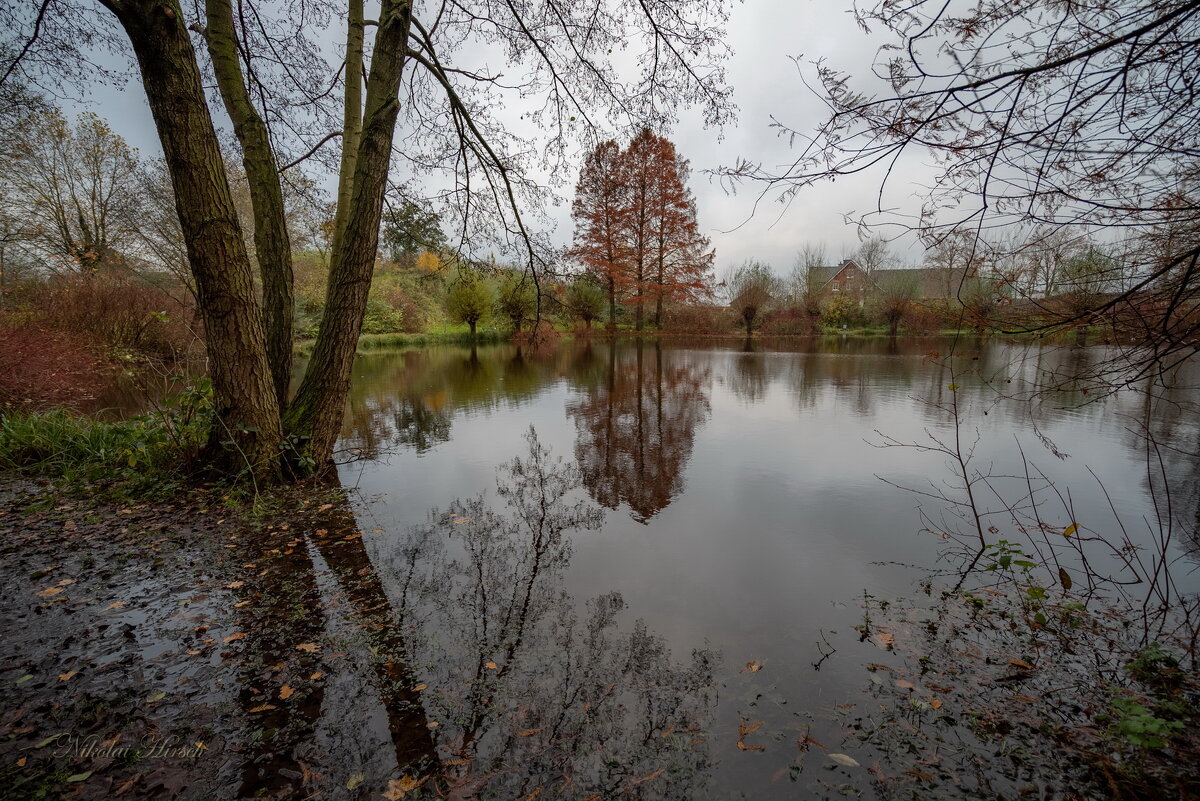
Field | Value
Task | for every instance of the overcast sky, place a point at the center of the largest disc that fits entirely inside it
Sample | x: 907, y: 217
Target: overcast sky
x: 765, y: 35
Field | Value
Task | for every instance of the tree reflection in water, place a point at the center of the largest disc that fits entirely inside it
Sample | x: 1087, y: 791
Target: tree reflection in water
x: 531, y: 694
x: 464, y: 654
x: 635, y: 430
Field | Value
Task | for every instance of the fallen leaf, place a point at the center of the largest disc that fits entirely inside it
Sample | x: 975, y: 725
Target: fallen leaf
x: 323, y: 507
x: 308, y: 647
x: 650, y: 776
x: 200, y: 746
x: 21, y: 762
x: 285, y: 692
x: 262, y: 708
x: 433, y: 724
x: 805, y: 741
x: 398, y: 788
x: 877, y: 666
x: 462, y: 520
x: 158, y: 696
x: 79, y: 777
x: 936, y: 703
x: 527, y: 732
x: 883, y: 640
x: 48, y: 592
x: 745, y: 728
x: 65, y: 582
x: 752, y: 667
x: 233, y: 585
x: 844, y: 759
x: 1021, y: 664
x: 240, y: 635
x: 316, y: 675
x: 1071, y: 529
x: 491, y: 666
x: 128, y: 785
x: 240, y: 604
x: 67, y: 676
x: 420, y: 687
x: 194, y: 652
x: 115, y: 605
x: 354, y: 781
x: 905, y: 684
x: 536, y: 792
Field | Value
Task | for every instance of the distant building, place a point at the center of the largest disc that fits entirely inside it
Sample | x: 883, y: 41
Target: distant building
x: 931, y: 283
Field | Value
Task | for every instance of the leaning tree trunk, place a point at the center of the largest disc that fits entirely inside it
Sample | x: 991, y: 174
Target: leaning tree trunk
x: 315, y: 416
x: 271, y: 242
x: 246, y: 433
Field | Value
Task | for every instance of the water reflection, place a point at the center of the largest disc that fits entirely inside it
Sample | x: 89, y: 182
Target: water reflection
x: 451, y: 657
x: 636, y: 424
x: 529, y: 696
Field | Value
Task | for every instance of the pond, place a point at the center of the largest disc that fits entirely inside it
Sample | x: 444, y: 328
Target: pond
x: 637, y: 567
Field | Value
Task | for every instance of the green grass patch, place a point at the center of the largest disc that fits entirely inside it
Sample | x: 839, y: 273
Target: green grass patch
x: 373, y: 342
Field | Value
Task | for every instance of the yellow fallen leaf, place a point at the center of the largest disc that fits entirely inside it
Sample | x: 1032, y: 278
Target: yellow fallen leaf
x: 115, y: 605
x: 262, y: 708
x: 433, y: 724
x: 232, y: 637
x: 527, y: 732
x: 200, y: 746
x: 65, y: 582
x: 240, y: 604
x: 1071, y: 529
x: 491, y: 666
x: 48, y: 592
x: 316, y: 675
x: 194, y: 652
x: 233, y: 585
x: 1021, y: 664
x: 285, y: 692
x: 324, y: 506
x: 936, y: 703
x: 67, y: 676
x: 21, y: 762
x: 752, y: 667
x: 420, y: 687
x: 883, y: 640
x: 308, y: 647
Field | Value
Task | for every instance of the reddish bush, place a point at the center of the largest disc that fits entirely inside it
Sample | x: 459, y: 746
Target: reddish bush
x: 40, y: 368
x: 698, y: 320
x: 787, y: 322
x: 117, y: 312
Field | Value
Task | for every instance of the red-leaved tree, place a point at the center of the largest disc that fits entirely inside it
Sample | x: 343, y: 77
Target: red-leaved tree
x: 635, y: 226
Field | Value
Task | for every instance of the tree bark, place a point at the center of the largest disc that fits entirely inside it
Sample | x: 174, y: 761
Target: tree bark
x: 315, y: 415
x: 271, y: 242
x: 352, y: 117
x: 246, y: 433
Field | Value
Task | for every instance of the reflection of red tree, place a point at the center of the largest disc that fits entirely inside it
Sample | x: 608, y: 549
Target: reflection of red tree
x: 635, y: 432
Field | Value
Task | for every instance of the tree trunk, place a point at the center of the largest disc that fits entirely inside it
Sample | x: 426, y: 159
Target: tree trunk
x: 271, y: 242
x: 352, y: 118
x: 612, y: 303
x: 315, y: 416
x: 247, y: 430
x: 472, y: 324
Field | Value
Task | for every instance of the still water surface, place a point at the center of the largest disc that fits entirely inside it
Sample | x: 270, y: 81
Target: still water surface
x: 608, y: 555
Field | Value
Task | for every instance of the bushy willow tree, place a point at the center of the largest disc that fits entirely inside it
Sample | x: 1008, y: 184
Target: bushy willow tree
x: 469, y: 298
x: 751, y: 288
x: 285, y: 101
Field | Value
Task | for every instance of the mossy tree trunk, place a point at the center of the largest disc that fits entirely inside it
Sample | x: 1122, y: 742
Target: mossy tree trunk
x: 247, y: 433
x: 271, y: 242
x: 315, y: 415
